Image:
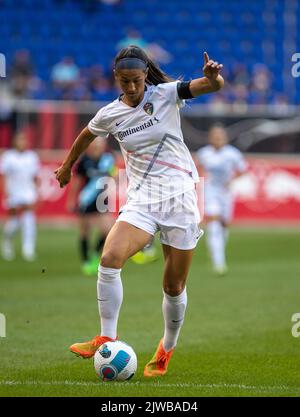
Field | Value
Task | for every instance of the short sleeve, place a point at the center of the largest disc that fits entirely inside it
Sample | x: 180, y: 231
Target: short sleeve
x: 97, y: 125
x: 170, y: 91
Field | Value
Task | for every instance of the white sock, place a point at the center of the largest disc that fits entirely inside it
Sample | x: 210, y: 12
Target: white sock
x: 110, y: 297
x: 215, y: 241
x: 10, y: 227
x: 28, y: 224
x: 173, y: 312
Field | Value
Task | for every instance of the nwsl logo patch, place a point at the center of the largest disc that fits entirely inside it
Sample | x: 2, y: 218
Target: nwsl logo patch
x: 148, y: 107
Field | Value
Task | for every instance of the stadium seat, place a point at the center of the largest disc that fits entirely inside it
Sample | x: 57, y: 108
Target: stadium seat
x: 232, y: 30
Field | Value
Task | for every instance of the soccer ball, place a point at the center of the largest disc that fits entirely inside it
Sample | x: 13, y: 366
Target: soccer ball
x: 115, y: 361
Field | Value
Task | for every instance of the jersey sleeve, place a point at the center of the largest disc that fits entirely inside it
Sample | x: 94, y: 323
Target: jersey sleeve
x: 170, y: 91
x: 97, y: 125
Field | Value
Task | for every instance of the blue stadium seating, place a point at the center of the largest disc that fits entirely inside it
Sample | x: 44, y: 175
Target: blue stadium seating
x: 231, y: 31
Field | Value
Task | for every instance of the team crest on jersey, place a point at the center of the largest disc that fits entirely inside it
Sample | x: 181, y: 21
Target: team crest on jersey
x: 148, y: 107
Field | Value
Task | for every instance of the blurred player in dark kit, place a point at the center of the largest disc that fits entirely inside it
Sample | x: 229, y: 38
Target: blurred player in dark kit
x: 86, y: 186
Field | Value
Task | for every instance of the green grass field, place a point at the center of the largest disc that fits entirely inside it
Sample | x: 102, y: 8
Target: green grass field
x: 236, y: 340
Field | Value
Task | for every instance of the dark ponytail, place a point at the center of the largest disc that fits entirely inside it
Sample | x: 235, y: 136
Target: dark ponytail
x: 155, y: 74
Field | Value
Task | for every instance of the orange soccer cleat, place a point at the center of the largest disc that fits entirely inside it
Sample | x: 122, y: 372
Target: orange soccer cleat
x: 159, y: 363
x: 88, y: 349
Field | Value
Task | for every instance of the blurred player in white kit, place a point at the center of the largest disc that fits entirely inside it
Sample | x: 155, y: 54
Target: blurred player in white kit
x: 220, y: 163
x: 19, y: 168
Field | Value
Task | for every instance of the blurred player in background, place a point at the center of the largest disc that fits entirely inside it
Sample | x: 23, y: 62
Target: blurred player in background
x: 220, y: 163
x: 85, y: 188
x: 19, y: 168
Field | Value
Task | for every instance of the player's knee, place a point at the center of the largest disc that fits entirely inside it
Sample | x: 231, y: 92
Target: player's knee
x: 174, y: 289
x: 111, y: 259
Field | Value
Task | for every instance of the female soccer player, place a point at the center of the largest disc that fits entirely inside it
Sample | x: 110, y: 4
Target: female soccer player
x: 96, y: 163
x: 161, y: 193
x: 19, y: 168
x: 221, y: 164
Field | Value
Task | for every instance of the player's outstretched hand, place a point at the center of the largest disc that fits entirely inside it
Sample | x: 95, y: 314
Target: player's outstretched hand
x: 211, y: 68
x: 63, y: 175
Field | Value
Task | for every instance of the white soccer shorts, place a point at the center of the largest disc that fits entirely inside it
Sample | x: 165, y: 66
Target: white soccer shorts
x: 14, y: 201
x: 218, y: 203
x: 176, y: 219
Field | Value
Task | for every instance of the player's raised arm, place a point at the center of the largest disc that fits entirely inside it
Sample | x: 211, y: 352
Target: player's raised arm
x: 212, y: 80
x: 63, y: 173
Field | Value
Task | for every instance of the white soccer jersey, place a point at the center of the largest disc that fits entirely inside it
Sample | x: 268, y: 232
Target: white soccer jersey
x: 19, y: 170
x: 158, y: 163
x: 220, y: 164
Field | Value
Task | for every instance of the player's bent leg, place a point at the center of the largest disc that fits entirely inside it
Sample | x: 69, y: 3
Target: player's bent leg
x: 177, y: 264
x: 122, y: 242
x: 110, y: 298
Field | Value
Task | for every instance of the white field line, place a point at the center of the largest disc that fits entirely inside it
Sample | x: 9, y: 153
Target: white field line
x: 258, y: 388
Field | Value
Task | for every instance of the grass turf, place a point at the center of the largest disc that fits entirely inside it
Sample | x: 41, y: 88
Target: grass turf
x: 236, y: 340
